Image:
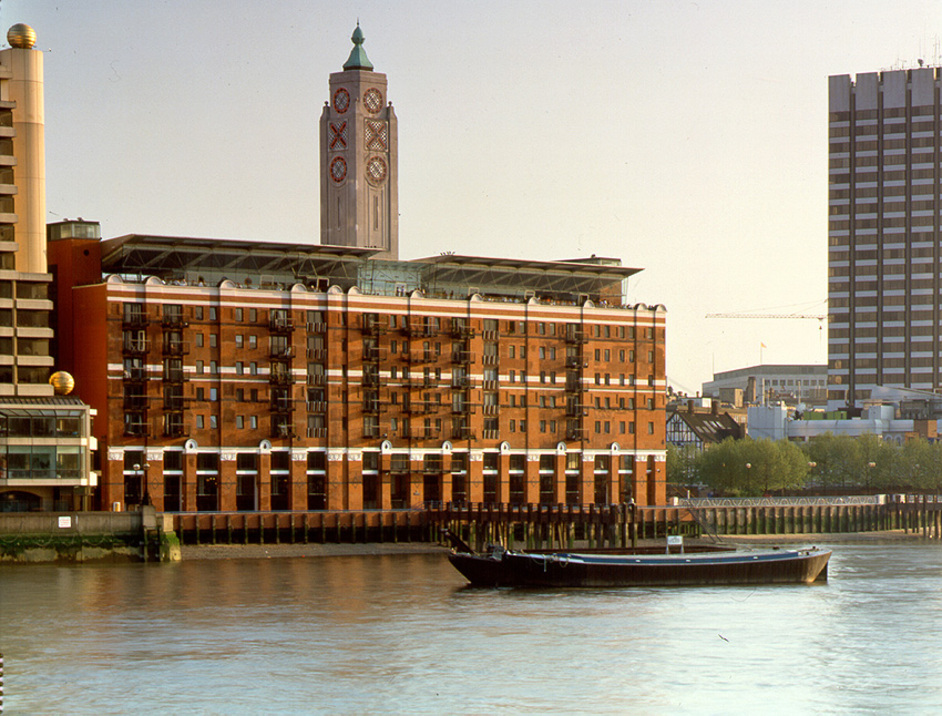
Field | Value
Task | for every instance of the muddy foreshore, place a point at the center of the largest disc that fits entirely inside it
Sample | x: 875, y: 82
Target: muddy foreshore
x: 273, y: 551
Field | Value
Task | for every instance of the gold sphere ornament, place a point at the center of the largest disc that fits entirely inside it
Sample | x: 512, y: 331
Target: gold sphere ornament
x: 21, y: 35
x: 62, y: 382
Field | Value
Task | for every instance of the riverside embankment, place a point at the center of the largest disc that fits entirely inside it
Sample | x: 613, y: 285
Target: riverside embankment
x: 147, y: 536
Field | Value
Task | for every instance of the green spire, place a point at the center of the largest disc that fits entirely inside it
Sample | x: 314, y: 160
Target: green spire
x: 358, y: 59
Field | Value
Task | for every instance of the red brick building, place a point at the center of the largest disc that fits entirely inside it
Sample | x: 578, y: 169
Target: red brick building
x: 231, y: 375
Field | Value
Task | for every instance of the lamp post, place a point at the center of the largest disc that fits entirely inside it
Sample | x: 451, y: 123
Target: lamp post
x: 749, y: 477
x: 812, y: 465
x: 870, y: 466
x: 142, y: 476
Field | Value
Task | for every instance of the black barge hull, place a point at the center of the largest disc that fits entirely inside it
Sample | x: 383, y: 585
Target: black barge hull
x: 522, y: 569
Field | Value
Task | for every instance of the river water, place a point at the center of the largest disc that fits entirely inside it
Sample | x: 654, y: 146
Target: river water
x: 401, y: 634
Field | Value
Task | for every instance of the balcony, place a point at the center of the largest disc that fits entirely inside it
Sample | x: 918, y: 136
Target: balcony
x: 174, y: 321
x: 576, y: 337
x: 575, y: 433
x: 175, y: 402
x: 276, y: 351
x: 491, y: 434
x: 370, y: 432
x: 371, y: 355
x: 317, y: 406
x: 462, y: 434
x: 176, y: 348
x: 371, y: 407
x: 422, y: 357
x: 490, y: 385
x: 371, y: 328
x: 489, y: 335
x: 282, y: 430
x: 316, y: 327
x: 575, y: 386
x: 317, y: 353
x: 316, y: 378
x: 282, y: 406
x: 488, y: 359
x: 490, y: 410
x: 371, y: 379
x: 280, y: 377
x: 135, y: 429
x: 574, y: 410
x: 175, y: 428
x: 135, y: 346
x: 135, y: 402
x: 317, y: 432
x: 280, y: 325
x: 135, y: 375
x: 174, y: 376
x: 134, y: 321
x: 574, y: 363
x: 461, y: 331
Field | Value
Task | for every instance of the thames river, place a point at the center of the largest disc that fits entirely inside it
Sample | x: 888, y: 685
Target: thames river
x: 401, y: 634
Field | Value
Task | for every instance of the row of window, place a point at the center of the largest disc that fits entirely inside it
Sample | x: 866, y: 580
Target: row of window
x: 432, y: 324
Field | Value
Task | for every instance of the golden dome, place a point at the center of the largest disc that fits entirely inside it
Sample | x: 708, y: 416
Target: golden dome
x: 62, y: 382
x: 21, y: 35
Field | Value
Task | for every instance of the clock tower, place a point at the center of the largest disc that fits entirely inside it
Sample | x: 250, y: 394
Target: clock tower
x: 359, y: 159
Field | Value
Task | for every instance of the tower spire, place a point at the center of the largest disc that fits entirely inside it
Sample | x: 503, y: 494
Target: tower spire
x: 358, y: 59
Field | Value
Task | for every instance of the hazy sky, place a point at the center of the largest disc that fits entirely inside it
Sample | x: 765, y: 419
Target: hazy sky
x: 686, y: 138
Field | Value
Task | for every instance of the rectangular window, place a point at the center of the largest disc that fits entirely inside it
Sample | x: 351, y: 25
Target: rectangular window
x: 200, y: 395
x: 213, y: 340
x: 253, y: 315
x: 198, y: 313
x: 212, y: 422
x: 240, y: 422
x: 213, y: 368
x: 253, y: 341
x: 199, y: 340
x: 213, y: 314
x: 240, y: 367
x: 253, y: 422
x: 238, y: 340
x: 237, y: 313
x: 199, y: 422
x: 199, y: 367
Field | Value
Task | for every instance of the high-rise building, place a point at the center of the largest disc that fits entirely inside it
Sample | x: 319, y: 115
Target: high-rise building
x: 359, y: 159
x: 884, y: 248
x: 45, y: 439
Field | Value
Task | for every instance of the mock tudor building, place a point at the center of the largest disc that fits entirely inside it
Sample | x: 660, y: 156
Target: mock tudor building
x: 236, y: 375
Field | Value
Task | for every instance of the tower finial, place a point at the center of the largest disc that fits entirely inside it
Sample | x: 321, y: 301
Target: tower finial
x: 358, y: 59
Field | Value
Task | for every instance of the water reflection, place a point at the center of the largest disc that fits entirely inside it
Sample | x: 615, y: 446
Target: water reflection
x: 401, y: 633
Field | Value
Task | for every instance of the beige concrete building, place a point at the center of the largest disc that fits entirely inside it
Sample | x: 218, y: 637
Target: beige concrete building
x: 45, y: 438
x: 884, y: 252
x: 359, y: 159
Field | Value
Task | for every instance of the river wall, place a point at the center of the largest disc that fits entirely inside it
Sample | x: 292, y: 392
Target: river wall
x: 148, y: 536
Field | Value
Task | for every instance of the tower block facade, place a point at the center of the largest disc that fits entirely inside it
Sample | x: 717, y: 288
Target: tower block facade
x: 359, y: 159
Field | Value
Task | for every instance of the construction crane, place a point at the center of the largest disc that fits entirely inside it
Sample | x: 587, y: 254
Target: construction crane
x: 767, y: 315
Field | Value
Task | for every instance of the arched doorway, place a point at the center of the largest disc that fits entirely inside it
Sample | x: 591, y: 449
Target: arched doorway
x: 19, y: 501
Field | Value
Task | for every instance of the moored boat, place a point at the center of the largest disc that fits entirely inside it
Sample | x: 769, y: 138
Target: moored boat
x: 505, y: 568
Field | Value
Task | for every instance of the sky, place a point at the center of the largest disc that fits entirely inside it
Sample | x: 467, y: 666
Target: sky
x: 688, y: 139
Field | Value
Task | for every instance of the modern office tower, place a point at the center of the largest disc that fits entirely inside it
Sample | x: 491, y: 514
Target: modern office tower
x: 359, y: 159
x: 45, y: 441
x: 884, y: 250
x: 231, y: 375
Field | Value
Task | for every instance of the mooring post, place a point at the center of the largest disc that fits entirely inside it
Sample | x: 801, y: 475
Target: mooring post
x: 1, y: 682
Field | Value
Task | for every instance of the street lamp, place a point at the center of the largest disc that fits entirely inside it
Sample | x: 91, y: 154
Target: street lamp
x: 142, y: 476
x: 749, y: 477
x: 870, y: 466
